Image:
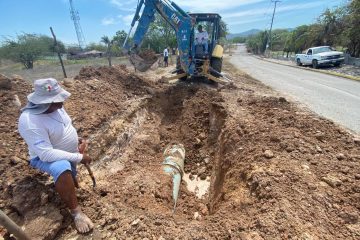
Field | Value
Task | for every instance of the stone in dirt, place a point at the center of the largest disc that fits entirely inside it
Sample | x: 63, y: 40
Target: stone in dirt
x: 250, y: 236
x: 15, y: 160
x: 201, y: 170
x: 5, y: 82
x: 340, y: 156
x: 332, y: 181
x: 27, y: 195
x: 197, y: 216
x: 43, y: 226
x: 350, y: 217
x: 16, y: 77
x: 135, y: 222
x: 268, y: 154
x: 68, y: 82
x: 16, y: 101
x: 318, y: 149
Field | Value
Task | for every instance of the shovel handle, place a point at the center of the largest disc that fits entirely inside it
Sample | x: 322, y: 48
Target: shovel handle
x: 91, y: 174
x: 87, y: 165
x: 12, y: 227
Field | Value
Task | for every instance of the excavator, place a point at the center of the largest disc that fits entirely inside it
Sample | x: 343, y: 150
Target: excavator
x: 193, y: 60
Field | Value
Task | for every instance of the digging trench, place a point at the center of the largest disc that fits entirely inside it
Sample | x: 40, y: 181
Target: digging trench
x: 191, y: 114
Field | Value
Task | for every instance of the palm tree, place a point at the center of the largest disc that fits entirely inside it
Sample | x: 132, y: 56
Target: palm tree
x: 108, y: 43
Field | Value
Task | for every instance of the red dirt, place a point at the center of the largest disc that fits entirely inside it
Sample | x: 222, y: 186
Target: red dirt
x: 277, y: 171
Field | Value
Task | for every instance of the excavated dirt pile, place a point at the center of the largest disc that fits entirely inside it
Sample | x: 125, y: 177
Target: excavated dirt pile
x: 148, y: 55
x: 270, y: 170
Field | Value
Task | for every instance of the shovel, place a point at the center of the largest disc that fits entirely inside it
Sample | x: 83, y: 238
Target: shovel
x: 82, y: 150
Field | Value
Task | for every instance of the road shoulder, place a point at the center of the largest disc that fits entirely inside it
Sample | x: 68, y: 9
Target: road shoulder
x: 310, y: 69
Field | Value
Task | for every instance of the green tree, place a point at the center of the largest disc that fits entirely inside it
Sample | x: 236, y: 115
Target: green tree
x: 27, y: 48
x: 160, y: 35
x: 120, y: 37
x: 257, y: 43
x: 239, y: 39
x: 353, y: 31
x: 96, y: 46
x: 106, y: 40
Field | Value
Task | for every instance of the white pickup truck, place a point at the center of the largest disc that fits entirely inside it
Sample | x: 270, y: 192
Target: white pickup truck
x: 317, y: 56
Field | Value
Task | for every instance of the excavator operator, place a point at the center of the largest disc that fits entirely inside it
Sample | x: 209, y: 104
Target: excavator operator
x: 201, y: 38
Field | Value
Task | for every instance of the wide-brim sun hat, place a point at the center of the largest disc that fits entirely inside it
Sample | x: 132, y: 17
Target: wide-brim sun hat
x: 47, y: 91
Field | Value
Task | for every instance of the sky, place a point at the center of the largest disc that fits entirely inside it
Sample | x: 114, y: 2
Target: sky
x: 105, y: 17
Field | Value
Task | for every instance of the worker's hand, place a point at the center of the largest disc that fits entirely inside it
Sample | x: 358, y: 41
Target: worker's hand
x: 82, y: 145
x: 86, y: 159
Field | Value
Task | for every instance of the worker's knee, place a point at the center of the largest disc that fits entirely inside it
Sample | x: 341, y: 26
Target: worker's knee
x: 64, y: 176
x: 59, y: 167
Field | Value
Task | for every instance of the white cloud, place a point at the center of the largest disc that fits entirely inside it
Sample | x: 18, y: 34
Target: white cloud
x: 214, y: 5
x: 280, y: 9
x: 129, y: 5
x: 235, y: 23
x: 127, y: 19
x: 108, y: 21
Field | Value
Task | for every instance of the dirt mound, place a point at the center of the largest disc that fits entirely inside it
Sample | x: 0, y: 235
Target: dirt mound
x: 148, y: 55
x: 103, y: 89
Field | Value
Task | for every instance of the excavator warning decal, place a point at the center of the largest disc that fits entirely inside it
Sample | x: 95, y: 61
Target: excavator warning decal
x: 175, y: 18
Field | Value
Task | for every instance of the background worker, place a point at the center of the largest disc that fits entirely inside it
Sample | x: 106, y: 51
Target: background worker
x: 201, y: 38
x: 166, y: 57
x: 53, y: 143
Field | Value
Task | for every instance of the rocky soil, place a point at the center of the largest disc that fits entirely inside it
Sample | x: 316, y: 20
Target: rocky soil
x: 276, y: 171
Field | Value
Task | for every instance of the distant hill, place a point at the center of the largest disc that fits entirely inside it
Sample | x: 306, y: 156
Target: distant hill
x: 243, y: 34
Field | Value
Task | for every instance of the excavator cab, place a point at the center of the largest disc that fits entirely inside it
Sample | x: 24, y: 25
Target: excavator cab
x: 193, y: 60
x: 206, y: 54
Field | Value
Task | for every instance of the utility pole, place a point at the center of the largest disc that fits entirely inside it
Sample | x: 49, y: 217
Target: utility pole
x: 272, y: 21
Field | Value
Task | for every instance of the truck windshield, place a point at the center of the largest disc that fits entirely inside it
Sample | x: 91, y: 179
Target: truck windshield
x: 321, y: 50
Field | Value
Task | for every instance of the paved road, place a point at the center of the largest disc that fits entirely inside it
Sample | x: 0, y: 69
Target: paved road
x: 335, y: 98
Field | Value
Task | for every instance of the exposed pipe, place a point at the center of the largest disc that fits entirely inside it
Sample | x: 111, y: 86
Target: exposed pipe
x: 173, y: 165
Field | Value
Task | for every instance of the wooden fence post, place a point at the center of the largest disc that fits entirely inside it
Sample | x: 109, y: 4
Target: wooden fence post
x: 58, y: 52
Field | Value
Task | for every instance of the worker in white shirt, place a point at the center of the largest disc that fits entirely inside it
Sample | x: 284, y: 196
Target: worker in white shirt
x: 201, y: 38
x: 166, y: 57
x: 53, y: 143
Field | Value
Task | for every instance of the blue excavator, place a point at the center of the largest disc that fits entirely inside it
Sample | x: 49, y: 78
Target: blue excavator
x: 193, y: 60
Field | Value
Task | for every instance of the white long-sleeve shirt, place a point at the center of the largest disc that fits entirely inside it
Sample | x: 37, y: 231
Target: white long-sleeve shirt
x: 201, y: 37
x: 166, y: 52
x: 51, y: 137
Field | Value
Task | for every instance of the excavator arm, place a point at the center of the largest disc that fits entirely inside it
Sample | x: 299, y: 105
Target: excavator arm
x: 179, y: 20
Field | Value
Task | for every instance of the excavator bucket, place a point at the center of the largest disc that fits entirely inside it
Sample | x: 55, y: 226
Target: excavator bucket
x: 140, y: 63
